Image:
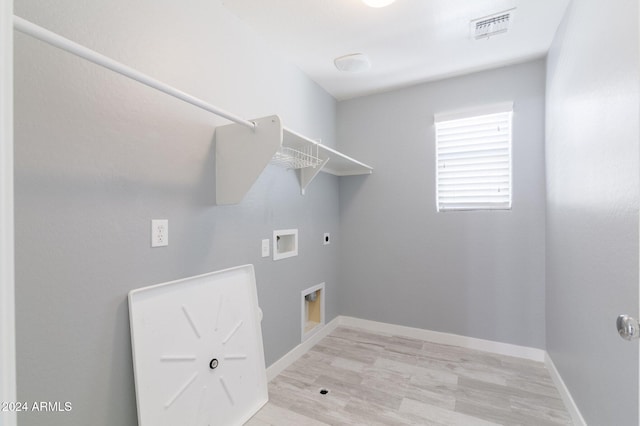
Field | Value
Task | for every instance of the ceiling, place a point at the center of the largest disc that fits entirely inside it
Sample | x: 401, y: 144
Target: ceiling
x: 408, y: 42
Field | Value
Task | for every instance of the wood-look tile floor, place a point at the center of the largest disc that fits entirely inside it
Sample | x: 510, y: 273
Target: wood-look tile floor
x: 381, y: 379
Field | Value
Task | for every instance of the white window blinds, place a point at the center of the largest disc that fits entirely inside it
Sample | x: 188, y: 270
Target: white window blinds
x: 473, y: 160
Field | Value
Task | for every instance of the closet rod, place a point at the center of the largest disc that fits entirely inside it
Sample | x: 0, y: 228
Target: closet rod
x: 56, y: 40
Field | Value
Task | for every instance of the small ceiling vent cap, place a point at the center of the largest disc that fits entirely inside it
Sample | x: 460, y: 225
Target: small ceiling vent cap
x: 491, y: 25
x: 354, y: 62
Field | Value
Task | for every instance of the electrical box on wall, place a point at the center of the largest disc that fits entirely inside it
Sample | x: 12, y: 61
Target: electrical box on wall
x: 285, y: 243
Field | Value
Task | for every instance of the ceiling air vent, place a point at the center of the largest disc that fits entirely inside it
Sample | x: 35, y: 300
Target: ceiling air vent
x: 489, y: 26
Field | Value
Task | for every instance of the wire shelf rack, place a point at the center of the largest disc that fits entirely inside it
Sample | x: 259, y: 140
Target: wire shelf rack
x: 291, y: 158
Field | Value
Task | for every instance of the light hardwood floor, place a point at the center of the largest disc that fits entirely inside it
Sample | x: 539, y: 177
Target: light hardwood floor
x: 380, y: 379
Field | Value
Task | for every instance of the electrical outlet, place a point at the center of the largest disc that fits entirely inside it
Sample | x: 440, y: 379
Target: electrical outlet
x: 159, y: 232
x: 327, y: 239
x: 265, y: 247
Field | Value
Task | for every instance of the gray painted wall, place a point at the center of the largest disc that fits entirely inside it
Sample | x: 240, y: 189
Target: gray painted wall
x: 592, y: 207
x: 478, y: 274
x: 99, y: 156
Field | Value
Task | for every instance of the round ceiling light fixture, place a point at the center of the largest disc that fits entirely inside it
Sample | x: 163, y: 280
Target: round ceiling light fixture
x: 353, y: 62
x: 378, y: 3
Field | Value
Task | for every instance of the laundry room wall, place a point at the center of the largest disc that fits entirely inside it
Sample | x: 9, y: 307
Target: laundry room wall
x: 593, y: 154
x: 472, y: 273
x: 98, y: 156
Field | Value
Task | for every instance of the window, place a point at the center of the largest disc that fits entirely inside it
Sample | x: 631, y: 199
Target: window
x: 473, y: 159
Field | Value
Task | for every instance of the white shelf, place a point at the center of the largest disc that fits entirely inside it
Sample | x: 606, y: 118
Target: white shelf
x: 242, y: 153
x: 339, y: 164
x: 243, y: 149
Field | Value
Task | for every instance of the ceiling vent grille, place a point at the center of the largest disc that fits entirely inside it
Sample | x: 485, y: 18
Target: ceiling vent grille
x: 489, y: 26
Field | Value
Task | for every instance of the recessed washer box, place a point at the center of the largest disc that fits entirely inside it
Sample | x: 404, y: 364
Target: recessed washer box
x: 285, y: 243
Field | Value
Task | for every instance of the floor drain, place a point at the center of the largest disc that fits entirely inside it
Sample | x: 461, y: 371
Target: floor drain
x: 324, y: 391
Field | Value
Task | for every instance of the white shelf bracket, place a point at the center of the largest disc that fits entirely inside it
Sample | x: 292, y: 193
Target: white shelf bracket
x: 307, y: 174
x: 242, y: 154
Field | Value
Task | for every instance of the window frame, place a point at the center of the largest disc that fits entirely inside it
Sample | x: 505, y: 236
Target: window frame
x: 500, y: 108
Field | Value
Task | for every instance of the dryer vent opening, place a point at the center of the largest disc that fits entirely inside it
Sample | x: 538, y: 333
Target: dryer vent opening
x: 312, y: 310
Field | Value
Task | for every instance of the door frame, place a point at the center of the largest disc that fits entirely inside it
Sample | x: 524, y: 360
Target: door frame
x: 7, y: 250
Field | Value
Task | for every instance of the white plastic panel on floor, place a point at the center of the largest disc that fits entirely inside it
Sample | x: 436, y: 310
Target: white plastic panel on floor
x: 197, y: 350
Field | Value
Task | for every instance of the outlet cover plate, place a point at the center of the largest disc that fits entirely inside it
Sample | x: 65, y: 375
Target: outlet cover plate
x: 159, y: 232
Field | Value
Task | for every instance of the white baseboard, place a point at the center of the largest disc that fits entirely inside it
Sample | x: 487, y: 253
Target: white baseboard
x: 290, y: 357
x: 508, y: 349
x: 569, y: 403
